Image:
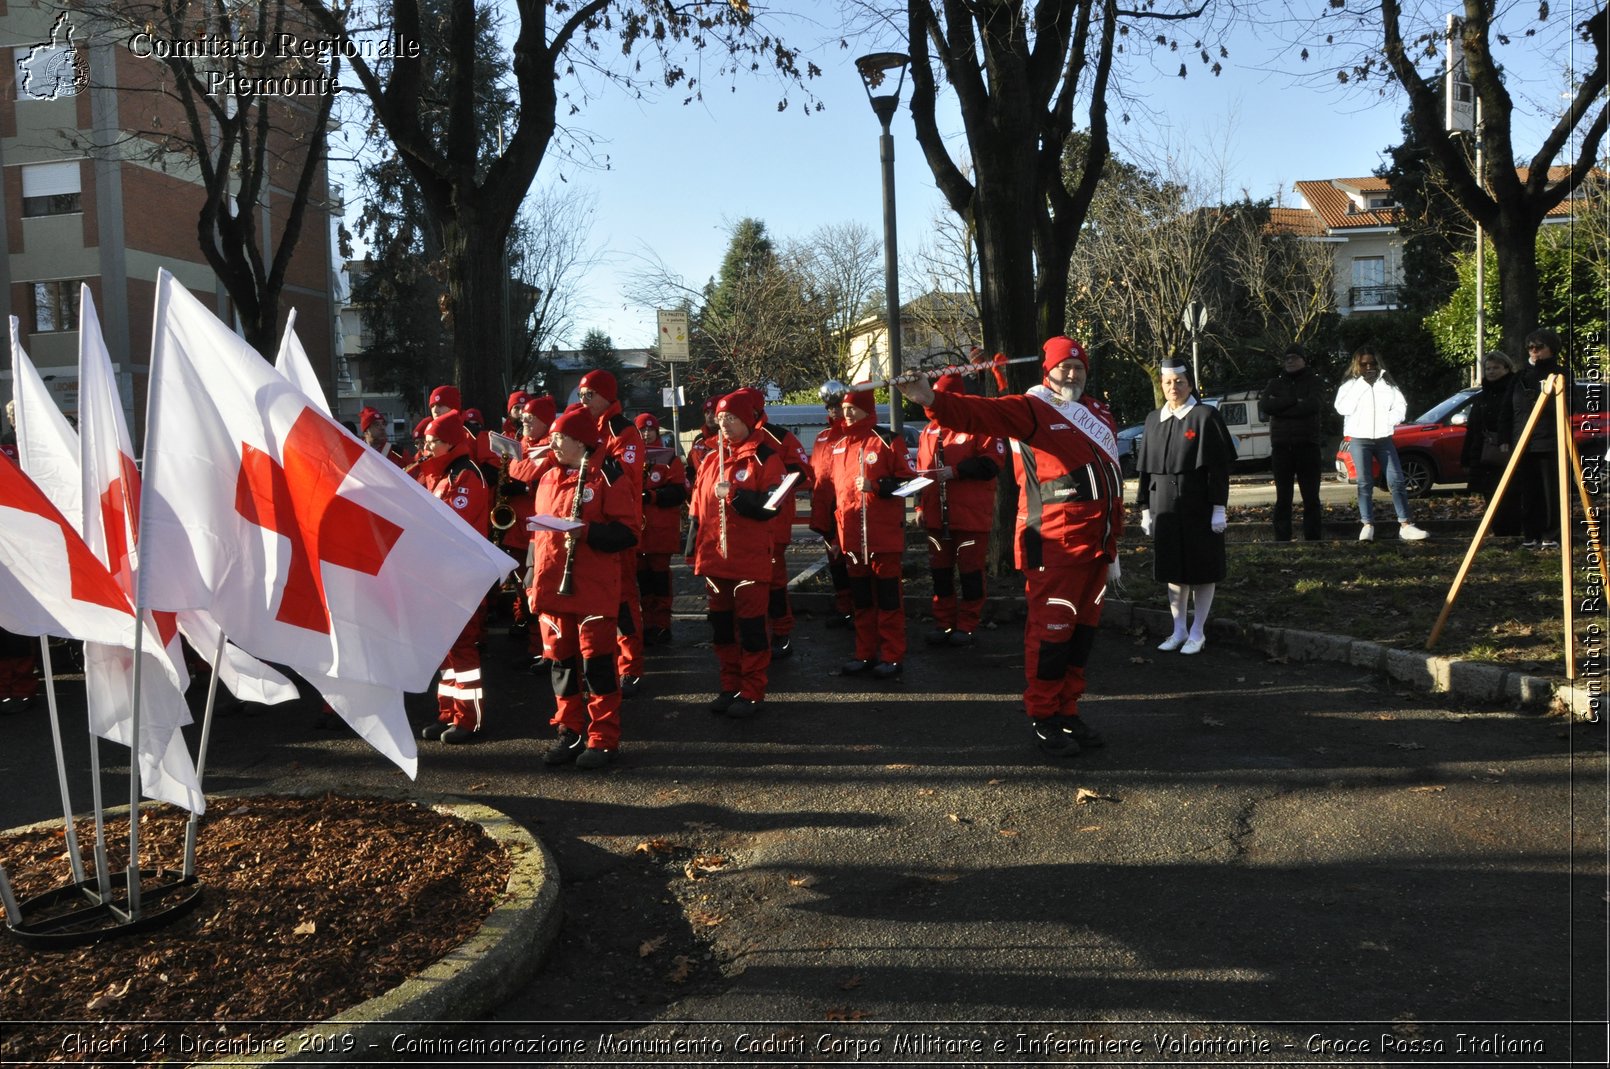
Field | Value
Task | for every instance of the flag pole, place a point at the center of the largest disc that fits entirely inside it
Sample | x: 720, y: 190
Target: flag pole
x: 103, y: 876
x: 74, y: 858
x: 194, y: 824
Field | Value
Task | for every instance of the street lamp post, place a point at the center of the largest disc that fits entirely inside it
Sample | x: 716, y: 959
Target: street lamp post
x: 875, y: 70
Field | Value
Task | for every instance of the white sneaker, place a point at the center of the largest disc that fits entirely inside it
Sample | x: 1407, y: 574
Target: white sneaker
x: 1193, y: 646
x: 1410, y: 533
x: 1172, y: 643
x: 1367, y: 533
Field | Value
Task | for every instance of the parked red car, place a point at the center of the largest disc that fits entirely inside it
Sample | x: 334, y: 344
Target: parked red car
x: 1429, y: 446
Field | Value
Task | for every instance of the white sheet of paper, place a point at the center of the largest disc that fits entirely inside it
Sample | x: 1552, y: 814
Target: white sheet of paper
x: 783, y: 490
x: 503, y: 445
x: 544, y: 522
x: 912, y: 487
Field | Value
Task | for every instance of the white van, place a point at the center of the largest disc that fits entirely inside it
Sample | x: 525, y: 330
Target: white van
x: 1249, y: 426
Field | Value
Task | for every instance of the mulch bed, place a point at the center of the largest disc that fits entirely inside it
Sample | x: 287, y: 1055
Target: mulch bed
x: 310, y: 906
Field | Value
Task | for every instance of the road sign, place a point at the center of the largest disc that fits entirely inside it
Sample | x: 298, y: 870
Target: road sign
x: 1195, y: 317
x: 673, y: 336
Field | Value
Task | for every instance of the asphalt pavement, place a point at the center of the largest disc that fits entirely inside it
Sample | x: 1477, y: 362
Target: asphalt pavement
x: 1266, y: 862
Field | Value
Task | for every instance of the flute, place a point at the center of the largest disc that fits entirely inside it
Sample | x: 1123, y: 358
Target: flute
x: 866, y: 557
x: 721, y: 502
x: 567, y: 578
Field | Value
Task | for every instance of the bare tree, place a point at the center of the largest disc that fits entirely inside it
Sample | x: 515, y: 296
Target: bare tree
x: 1376, y: 46
x: 549, y: 254
x: 840, y: 267
x: 1285, y: 278
x: 248, y: 122
x: 947, y: 264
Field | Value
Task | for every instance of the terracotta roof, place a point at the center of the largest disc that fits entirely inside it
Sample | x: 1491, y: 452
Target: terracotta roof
x: 1299, y: 221
x: 1337, y: 211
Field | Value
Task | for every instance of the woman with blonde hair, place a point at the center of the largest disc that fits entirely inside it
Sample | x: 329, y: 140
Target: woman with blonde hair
x: 1371, y: 406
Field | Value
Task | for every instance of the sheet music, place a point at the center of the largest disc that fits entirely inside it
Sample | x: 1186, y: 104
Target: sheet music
x: 783, y: 489
x: 544, y: 522
x: 914, y: 486
x: 503, y: 445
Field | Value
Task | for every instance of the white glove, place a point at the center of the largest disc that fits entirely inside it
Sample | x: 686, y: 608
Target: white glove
x: 1146, y: 521
x: 1218, y: 522
x: 1115, y: 573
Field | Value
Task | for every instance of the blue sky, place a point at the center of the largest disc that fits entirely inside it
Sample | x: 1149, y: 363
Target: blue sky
x: 680, y: 176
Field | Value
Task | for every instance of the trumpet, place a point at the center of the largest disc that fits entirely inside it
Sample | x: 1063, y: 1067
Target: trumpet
x: 567, y: 578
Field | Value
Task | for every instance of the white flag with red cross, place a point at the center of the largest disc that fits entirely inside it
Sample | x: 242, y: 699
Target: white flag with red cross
x: 309, y: 548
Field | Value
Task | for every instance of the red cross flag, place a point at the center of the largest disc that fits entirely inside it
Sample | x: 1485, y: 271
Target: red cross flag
x: 307, y: 547
x: 50, y: 583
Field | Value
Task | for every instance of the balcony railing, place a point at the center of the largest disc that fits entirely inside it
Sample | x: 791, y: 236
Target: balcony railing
x: 1372, y: 297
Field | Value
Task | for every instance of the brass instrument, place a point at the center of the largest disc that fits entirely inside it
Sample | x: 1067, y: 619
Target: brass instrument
x: 503, y: 515
x: 567, y: 578
x: 721, y: 502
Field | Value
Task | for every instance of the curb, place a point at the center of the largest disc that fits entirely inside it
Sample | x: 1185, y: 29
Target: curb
x: 1471, y: 681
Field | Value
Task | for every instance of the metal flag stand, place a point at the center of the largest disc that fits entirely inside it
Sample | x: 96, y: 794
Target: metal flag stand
x: 1553, y: 390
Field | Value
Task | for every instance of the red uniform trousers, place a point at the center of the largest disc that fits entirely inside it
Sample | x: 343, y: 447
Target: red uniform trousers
x: 458, y: 693
x: 629, y: 622
x: 654, y: 589
x: 582, y: 650
x: 963, y: 552
x: 880, y: 615
x: 738, y: 623
x: 838, y: 570
x: 779, y: 613
x: 1064, y: 608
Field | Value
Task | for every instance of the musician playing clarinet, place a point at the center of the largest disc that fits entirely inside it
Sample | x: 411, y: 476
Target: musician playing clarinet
x: 956, y: 513
x: 575, y: 587
x: 1069, y: 516
x: 854, y: 504
x: 733, y: 551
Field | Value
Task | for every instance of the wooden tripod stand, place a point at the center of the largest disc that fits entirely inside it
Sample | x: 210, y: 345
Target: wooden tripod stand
x: 1565, y: 451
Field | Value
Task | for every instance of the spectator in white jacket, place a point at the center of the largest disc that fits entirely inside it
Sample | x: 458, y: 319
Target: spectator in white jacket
x: 1371, y: 405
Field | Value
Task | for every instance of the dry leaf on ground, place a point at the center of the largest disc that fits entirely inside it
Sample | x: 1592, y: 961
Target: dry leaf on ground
x: 658, y: 845
x: 1084, y: 796
x: 683, y: 968
x: 649, y: 946
x: 305, y: 928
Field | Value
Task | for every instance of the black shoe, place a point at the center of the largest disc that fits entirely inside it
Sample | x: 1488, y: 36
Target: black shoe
x: 854, y: 668
x: 886, y: 669
x: 838, y: 621
x: 1055, y: 737
x: 457, y: 736
x: 723, y: 702
x: 566, y: 748
x: 744, y: 708
x: 537, y: 666
x: 937, y: 638
x: 657, y: 636
x: 1087, y: 737
x: 780, y: 647
x: 630, y: 685
x: 517, y: 631
x: 433, y: 730
x: 592, y: 757
x: 961, y: 638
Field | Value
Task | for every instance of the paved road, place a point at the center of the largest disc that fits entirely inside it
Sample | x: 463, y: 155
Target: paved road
x: 1267, y: 849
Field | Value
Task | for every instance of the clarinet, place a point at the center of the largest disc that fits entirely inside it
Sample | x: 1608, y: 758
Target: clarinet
x: 721, y: 502
x: 567, y: 578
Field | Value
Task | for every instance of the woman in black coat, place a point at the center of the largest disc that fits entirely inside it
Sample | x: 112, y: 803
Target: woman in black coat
x: 1490, y: 427
x: 1184, y: 473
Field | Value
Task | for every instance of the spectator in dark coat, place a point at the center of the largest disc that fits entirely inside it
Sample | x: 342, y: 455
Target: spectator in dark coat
x: 1489, y: 437
x: 1538, y: 472
x: 1294, y: 401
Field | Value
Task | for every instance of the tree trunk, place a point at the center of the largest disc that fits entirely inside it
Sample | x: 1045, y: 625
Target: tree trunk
x: 476, y: 286
x: 1515, y: 248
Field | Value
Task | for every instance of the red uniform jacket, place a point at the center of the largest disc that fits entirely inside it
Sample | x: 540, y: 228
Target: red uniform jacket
x: 607, y: 509
x: 794, y: 460
x: 968, y: 502
x: 754, y: 468
x: 702, y: 446
x: 522, y: 490
x: 665, y: 491
x: 862, y: 448
x: 1070, y: 507
x: 455, y: 479
x: 622, y: 440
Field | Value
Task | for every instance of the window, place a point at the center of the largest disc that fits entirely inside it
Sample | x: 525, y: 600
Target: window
x: 56, y: 306
x: 51, y: 189
x: 1369, y: 271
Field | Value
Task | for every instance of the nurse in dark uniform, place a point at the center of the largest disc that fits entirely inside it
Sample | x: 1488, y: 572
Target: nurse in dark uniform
x: 1184, y: 469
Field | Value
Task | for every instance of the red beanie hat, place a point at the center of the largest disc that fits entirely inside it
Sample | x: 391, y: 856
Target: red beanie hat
x: 473, y: 415
x: 865, y: 400
x: 710, y: 405
x: 369, y: 417
x: 421, y: 427
x: 578, y: 423
x: 447, y: 427
x: 445, y: 395
x: 951, y: 383
x: 542, y: 407
x: 517, y: 398
x: 646, y: 422
x: 758, y: 399
x: 1060, y: 349
x: 601, y: 383
x: 740, y: 403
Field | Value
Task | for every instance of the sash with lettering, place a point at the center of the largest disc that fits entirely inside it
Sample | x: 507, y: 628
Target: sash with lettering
x: 1083, y: 419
